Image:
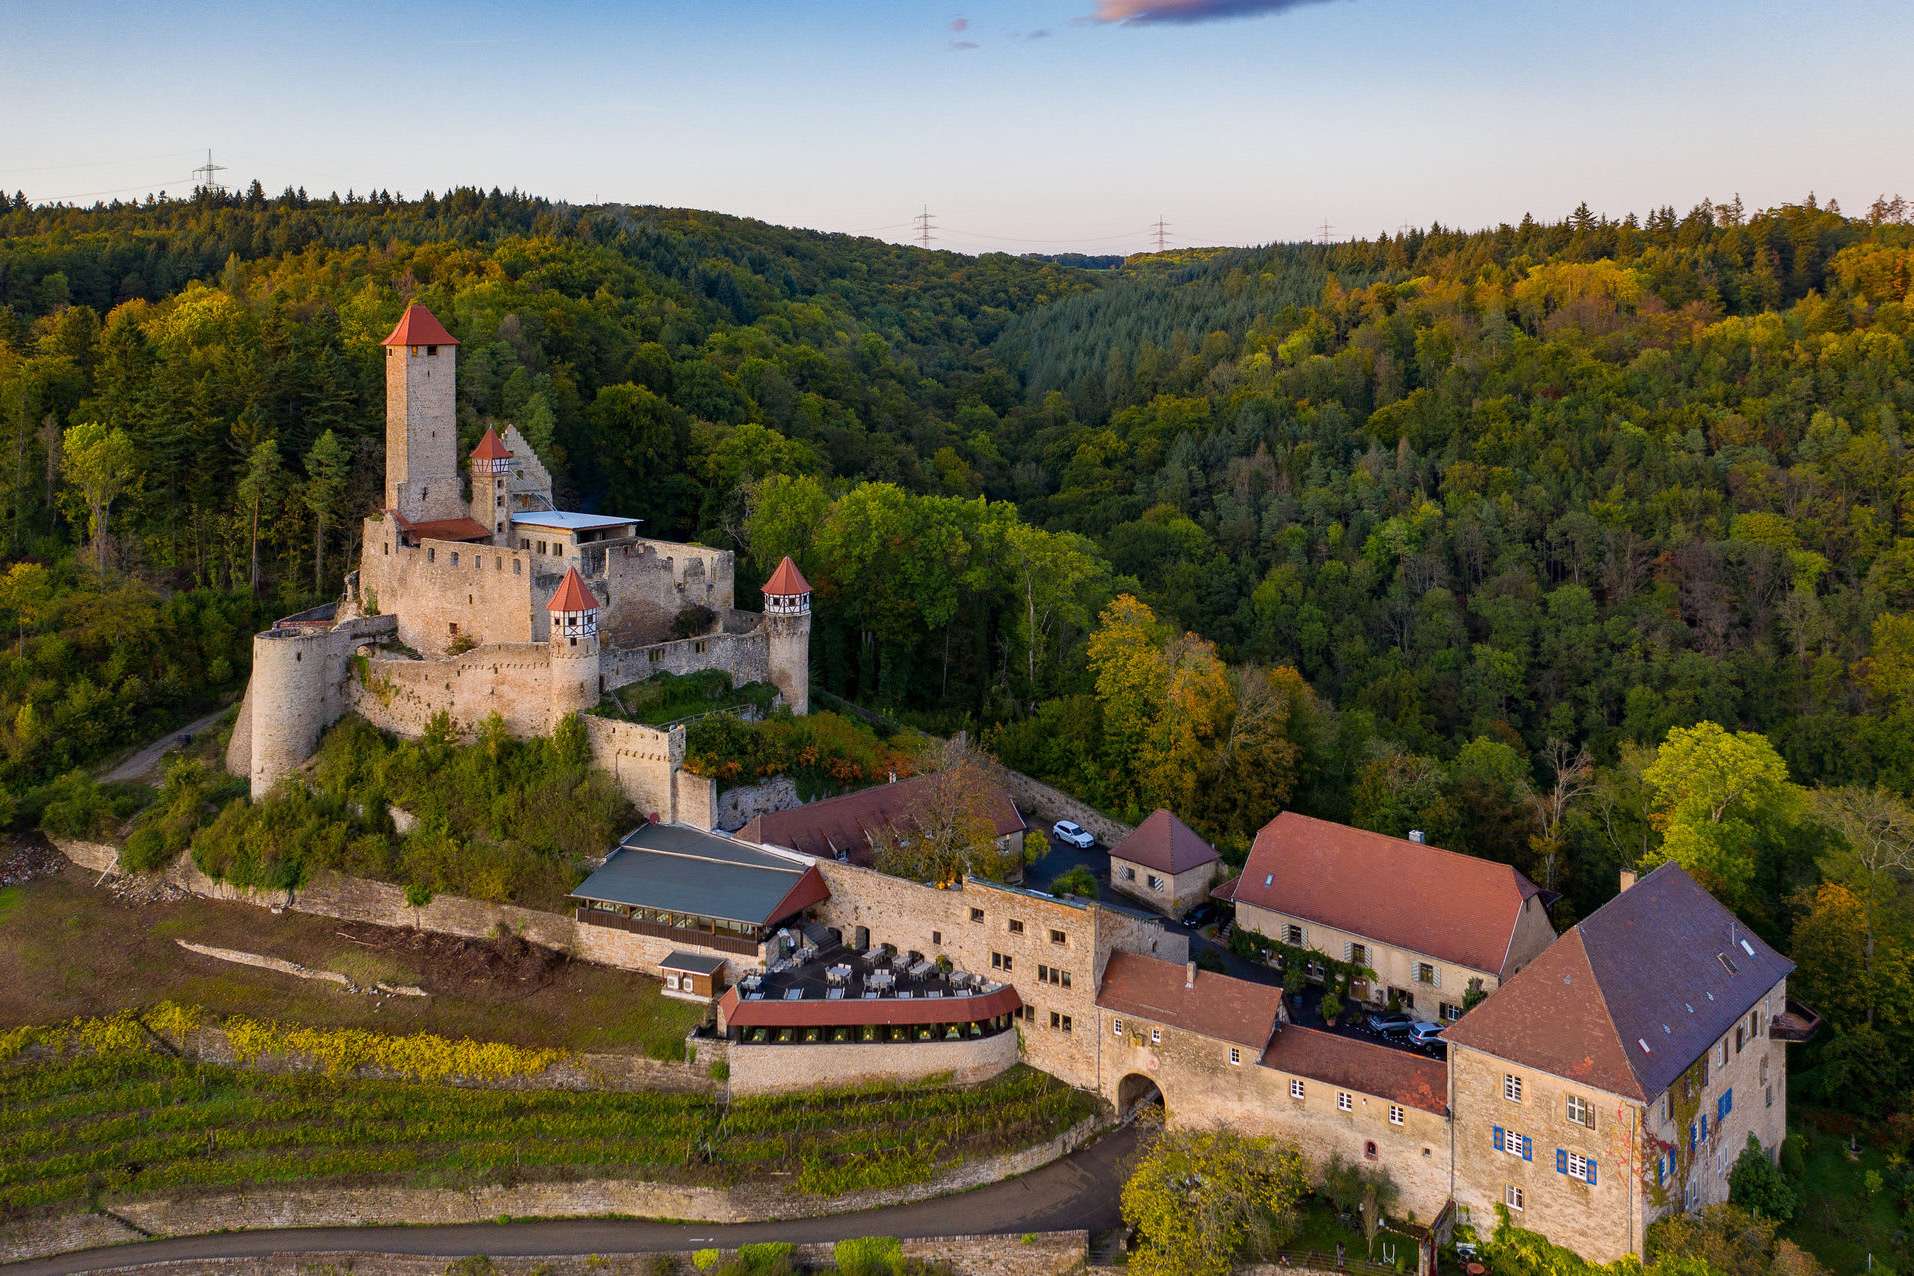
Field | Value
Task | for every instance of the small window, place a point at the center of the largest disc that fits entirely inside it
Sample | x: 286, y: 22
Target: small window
x: 1016, y: 927
x: 431, y: 555
x: 937, y: 938
x: 432, y: 352
x: 1116, y: 1029
x: 1512, y: 1088
x: 1578, y: 1167
x: 976, y: 914
x: 1513, y: 1198
x: 1428, y: 974
x: 516, y: 568
x: 1000, y: 961
x: 1581, y: 1111
x: 1129, y: 874
x: 1395, y: 1114
x: 1156, y: 1036
x: 1058, y: 937
x: 1235, y: 1055
x: 1450, y: 1012
x: 1293, y: 935
x: 1369, y: 1149
x: 1345, y: 1102
x: 1155, y: 883
x: 1295, y: 1089
x: 455, y: 558
x: 1061, y: 1022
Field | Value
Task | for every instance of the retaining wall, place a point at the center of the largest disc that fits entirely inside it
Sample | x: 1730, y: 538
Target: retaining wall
x: 394, y: 1206
x: 1043, y: 805
x: 767, y: 1069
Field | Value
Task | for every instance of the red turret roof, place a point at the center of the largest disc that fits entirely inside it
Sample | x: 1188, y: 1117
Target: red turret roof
x: 419, y: 327
x: 572, y: 594
x: 491, y: 447
x: 787, y: 580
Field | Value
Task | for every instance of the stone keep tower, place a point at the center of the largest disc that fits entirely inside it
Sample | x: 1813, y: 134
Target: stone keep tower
x: 421, y: 419
x: 787, y: 622
x: 573, y: 647
x: 491, y: 498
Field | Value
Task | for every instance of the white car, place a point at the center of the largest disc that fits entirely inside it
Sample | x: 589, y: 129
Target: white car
x: 1074, y: 834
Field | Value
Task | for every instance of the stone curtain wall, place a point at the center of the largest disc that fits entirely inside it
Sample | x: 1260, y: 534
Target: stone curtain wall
x: 737, y: 807
x: 486, y: 590
x: 746, y: 657
x: 513, y: 680
x: 643, y: 760
x: 383, y: 904
x: 771, y: 1068
x: 1044, y: 805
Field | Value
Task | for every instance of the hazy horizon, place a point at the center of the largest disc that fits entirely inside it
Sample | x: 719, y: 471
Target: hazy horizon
x: 1046, y: 126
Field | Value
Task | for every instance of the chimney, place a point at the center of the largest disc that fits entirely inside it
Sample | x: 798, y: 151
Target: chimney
x: 1628, y: 878
x: 1189, y: 974
x: 1417, y: 835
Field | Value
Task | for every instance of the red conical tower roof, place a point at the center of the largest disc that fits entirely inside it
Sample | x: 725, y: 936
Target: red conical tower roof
x: 572, y: 594
x: 491, y: 447
x: 419, y: 327
x: 787, y: 580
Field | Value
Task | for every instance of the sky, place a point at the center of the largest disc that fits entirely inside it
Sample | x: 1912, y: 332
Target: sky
x: 1039, y: 126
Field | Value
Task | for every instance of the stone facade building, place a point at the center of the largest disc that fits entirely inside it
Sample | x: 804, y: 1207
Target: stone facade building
x: 475, y: 595
x: 1438, y: 928
x: 1621, y: 1073
x: 1165, y: 863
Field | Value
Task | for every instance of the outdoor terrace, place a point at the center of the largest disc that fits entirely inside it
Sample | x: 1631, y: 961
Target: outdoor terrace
x: 820, y: 991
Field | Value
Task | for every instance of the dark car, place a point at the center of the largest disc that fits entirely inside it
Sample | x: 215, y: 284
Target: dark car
x: 1200, y: 916
x: 1390, y: 1023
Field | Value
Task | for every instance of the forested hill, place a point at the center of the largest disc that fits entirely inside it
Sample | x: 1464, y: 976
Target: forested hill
x: 1431, y: 501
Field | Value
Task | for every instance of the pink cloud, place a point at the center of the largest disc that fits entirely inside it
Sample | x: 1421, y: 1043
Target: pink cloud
x: 1151, y: 12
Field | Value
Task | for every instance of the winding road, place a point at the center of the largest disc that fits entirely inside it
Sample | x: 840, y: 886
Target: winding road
x: 141, y: 763
x: 1078, y: 1191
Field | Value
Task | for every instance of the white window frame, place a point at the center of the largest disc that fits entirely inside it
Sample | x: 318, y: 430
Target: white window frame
x: 1345, y: 1102
x: 1577, y: 1166
x: 1512, y: 1087
x: 1512, y: 1197
x: 1395, y: 1114
x: 1116, y: 1029
x: 1585, y: 1117
x: 1156, y: 1036
x: 1296, y: 1090
x: 1235, y: 1056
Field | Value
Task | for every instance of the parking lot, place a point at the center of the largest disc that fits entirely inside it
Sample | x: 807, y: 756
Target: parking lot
x: 1305, y: 1008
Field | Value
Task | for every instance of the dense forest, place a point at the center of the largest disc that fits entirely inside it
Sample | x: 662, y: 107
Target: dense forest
x: 1575, y: 543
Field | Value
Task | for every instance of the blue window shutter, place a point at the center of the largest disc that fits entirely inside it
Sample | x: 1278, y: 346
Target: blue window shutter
x: 1591, y: 1171
x: 1561, y: 1160
x: 1499, y: 1144
x: 1661, y: 1170
x: 1691, y: 1136
x: 1528, y: 1148
x: 1704, y: 1125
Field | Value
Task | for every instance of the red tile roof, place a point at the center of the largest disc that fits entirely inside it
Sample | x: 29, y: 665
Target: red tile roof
x: 1166, y: 844
x: 810, y: 889
x: 1213, y: 1005
x: 846, y: 824
x: 787, y: 580
x: 1628, y: 999
x: 736, y: 1012
x: 443, y: 529
x: 491, y: 447
x: 1439, y: 903
x: 572, y: 594
x: 419, y: 327
x: 1397, y: 1075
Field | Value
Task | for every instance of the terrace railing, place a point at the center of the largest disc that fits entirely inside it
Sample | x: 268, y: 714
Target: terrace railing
x: 697, y: 937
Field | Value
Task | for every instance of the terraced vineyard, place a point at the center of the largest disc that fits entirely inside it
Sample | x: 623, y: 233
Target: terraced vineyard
x: 127, y: 1124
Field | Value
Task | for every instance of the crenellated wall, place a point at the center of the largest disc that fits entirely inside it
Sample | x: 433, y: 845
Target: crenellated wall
x: 743, y: 656
x: 441, y: 591
x: 401, y: 695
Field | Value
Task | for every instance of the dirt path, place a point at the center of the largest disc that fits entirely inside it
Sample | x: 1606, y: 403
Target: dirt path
x: 1078, y: 1191
x: 144, y: 763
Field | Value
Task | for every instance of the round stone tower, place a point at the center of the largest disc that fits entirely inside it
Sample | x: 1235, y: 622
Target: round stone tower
x: 787, y: 624
x: 573, y: 647
x: 291, y: 691
x: 491, y: 464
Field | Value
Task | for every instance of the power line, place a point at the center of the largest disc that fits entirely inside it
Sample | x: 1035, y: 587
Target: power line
x: 61, y: 168
x: 205, y: 173
x: 1324, y: 231
x: 924, y: 226
x: 1162, y: 231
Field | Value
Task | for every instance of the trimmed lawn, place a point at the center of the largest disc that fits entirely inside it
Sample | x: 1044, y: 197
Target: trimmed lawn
x: 69, y: 948
x: 1838, y: 1221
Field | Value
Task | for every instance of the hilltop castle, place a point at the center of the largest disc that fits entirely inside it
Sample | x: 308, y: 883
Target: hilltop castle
x: 482, y: 596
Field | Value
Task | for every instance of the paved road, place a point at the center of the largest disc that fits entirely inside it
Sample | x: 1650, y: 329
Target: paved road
x: 139, y: 765
x: 1078, y: 1191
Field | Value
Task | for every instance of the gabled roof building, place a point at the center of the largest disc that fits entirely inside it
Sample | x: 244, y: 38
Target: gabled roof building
x: 1165, y: 863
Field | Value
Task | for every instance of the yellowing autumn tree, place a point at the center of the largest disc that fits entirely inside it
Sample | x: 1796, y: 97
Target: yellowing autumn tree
x: 1720, y: 798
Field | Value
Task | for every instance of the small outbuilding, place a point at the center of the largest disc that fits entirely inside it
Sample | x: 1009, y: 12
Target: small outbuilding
x: 1164, y: 863
x: 691, y: 976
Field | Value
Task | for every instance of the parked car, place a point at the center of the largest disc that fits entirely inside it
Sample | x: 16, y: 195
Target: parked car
x: 1073, y: 834
x: 1200, y: 916
x: 1424, y: 1033
x: 1391, y: 1023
